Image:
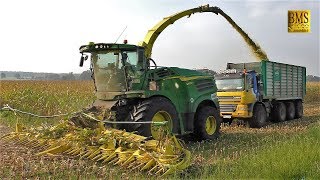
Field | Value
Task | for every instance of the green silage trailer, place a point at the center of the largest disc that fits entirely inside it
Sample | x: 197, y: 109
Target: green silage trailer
x: 257, y: 90
x: 279, y: 81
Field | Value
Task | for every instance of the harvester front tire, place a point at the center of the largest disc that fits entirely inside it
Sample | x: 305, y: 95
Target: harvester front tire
x: 227, y: 121
x: 259, y: 117
x: 290, y: 110
x: 279, y: 112
x: 207, y: 123
x: 299, y: 109
x: 147, y: 109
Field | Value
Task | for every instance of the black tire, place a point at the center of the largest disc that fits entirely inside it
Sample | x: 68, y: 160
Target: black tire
x: 200, y: 123
x: 259, y: 117
x: 299, y: 109
x: 279, y: 112
x: 122, y: 114
x: 228, y: 121
x: 290, y: 110
x: 145, y: 111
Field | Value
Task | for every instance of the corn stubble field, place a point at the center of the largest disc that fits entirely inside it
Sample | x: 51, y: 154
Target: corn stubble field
x: 282, y: 150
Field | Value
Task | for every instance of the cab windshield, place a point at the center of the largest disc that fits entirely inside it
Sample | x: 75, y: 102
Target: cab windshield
x: 230, y: 84
x: 114, y: 69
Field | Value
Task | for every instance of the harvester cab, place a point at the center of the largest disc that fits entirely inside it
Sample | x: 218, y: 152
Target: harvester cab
x: 117, y: 68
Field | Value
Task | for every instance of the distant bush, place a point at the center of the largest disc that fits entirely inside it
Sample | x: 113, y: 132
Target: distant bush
x: 311, y: 78
x: 85, y: 75
x: 313, y: 92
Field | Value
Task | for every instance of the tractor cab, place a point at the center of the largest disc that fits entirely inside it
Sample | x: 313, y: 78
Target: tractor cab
x: 237, y: 92
x: 230, y: 80
x: 233, y: 80
x: 116, y: 68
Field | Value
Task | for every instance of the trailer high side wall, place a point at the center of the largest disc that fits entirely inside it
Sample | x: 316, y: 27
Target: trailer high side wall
x: 258, y: 90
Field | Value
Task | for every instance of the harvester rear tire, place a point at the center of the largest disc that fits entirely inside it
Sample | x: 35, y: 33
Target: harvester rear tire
x: 299, y: 109
x: 147, y: 109
x: 290, y: 110
x: 259, y: 117
x: 203, y: 118
x: 279, y: 112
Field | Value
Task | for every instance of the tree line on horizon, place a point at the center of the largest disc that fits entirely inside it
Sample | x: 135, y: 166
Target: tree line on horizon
x: 85, y: 75
x: 11, y: 75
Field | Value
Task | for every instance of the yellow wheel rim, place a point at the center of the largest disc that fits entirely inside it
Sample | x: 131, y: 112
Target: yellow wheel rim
x: 156, y: 130
x: 211, y: 125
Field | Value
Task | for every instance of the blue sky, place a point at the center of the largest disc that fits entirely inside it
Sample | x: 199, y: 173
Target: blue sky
x: 44, y: 36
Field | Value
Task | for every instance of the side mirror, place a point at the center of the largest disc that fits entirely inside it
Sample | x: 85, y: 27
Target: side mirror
x: 82, y: 59
x: 155, y: 65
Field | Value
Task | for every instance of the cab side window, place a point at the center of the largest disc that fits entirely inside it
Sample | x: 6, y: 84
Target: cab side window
x: 249, y: 83
x: 141, y: 59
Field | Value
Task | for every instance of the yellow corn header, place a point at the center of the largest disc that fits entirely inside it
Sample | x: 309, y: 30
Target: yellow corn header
x: 105, y: 145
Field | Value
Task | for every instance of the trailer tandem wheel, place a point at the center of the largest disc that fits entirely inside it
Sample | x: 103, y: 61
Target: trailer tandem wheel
x: 290, y: 109
x: 279, y: 112
x: 299, y: 109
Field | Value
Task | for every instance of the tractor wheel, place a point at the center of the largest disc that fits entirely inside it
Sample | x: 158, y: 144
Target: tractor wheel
x: 207, y: 123
x: 227, y: 121
x: 259, y: 117
x: 122, y: 114
x: 299, y: 109
x: 290, y: 110
x: 279, y: 112
x: 155, y: 109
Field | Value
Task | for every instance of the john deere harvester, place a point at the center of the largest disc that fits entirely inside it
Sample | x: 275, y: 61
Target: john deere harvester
x: 129, y: 88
